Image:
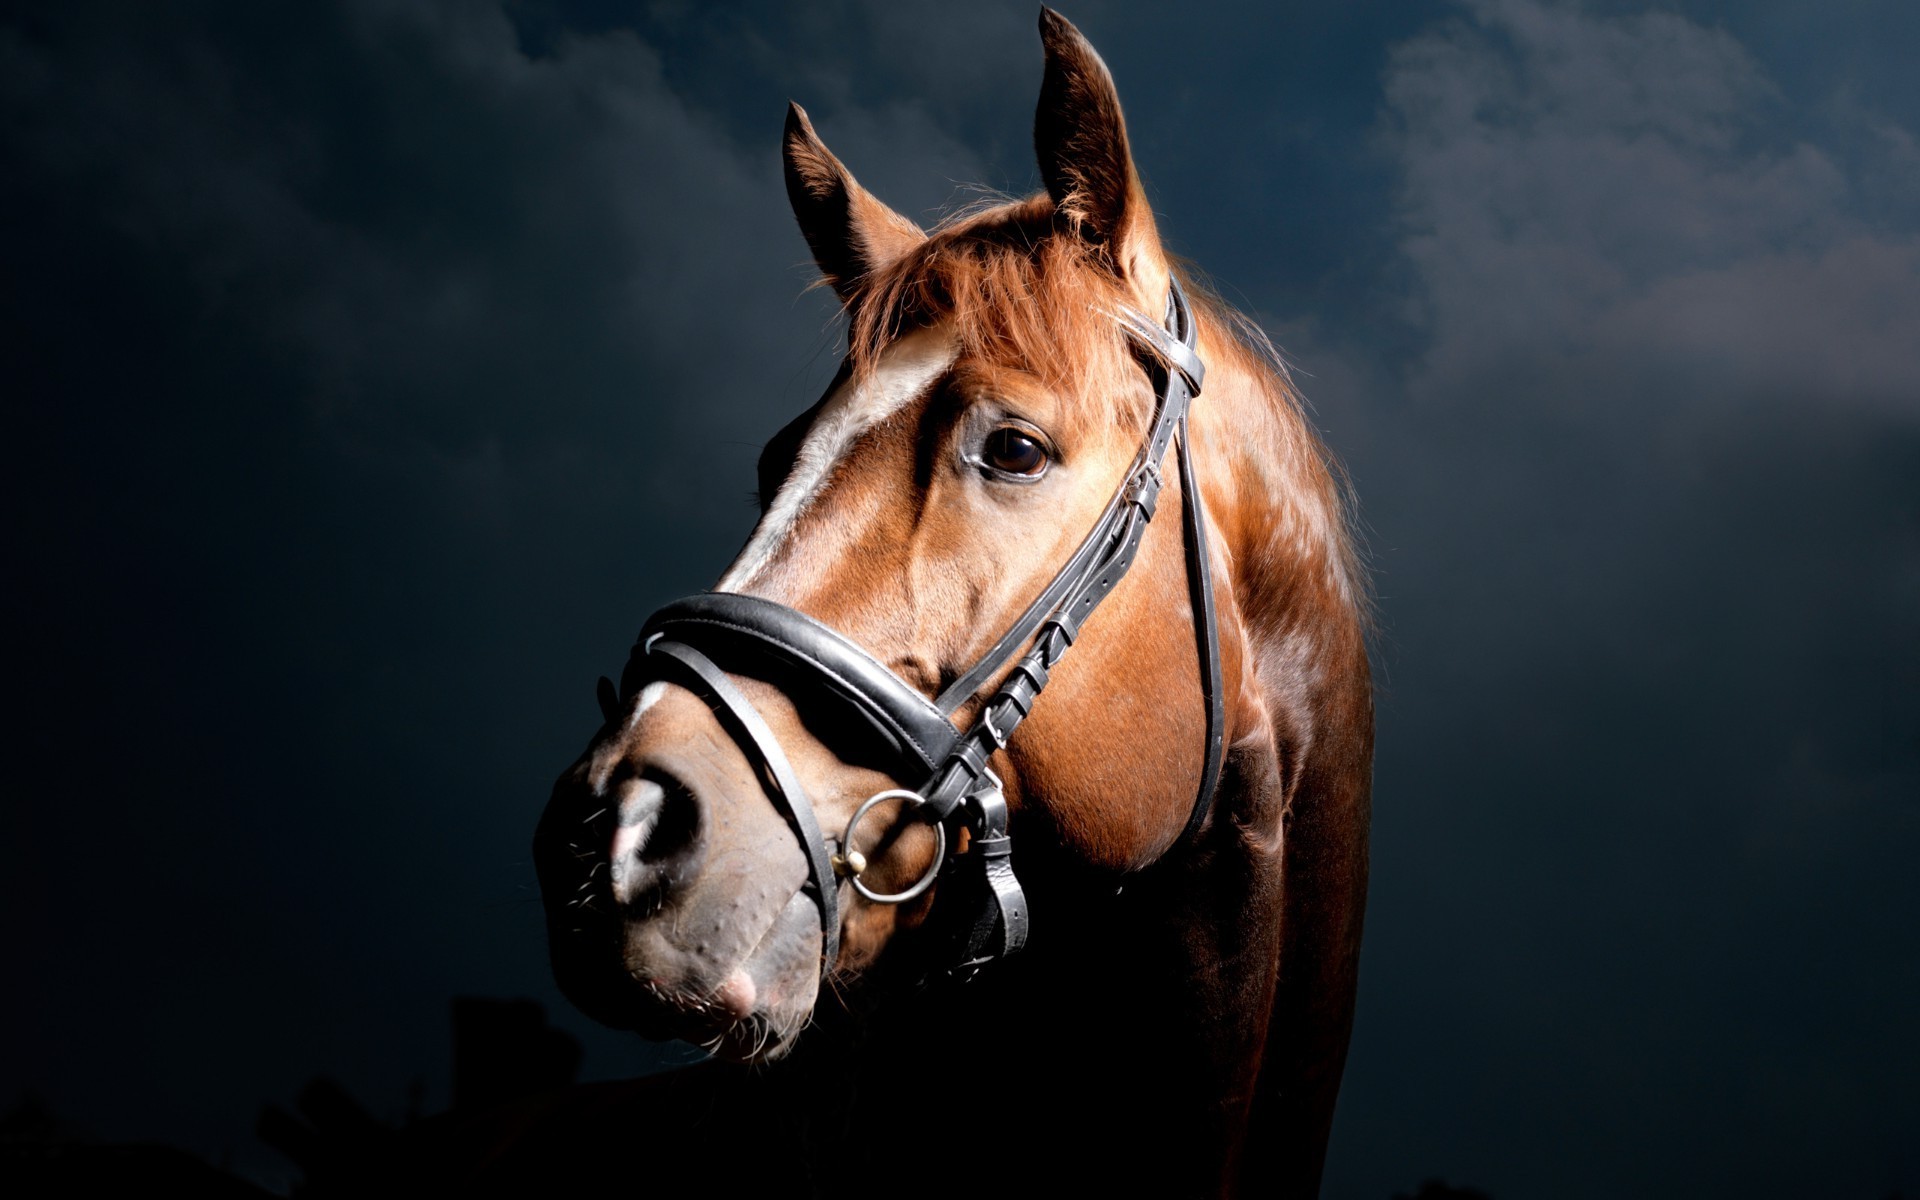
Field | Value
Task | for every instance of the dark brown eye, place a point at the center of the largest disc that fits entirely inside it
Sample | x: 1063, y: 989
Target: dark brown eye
x: 1014, y: 452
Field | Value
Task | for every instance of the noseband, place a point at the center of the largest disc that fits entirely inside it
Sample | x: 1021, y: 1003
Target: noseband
x: 696, y: 641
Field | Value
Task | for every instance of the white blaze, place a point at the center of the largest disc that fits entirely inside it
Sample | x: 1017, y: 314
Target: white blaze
x: 905, y: 370
x: 649, y: 696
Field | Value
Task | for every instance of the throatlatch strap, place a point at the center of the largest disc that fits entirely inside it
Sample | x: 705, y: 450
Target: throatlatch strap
x: 1206, y: 633
x: 696, y: 672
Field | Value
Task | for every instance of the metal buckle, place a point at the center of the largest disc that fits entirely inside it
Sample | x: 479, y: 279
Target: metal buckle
x: 988, y: 802
x: 1146, y: 475
x: 850, y: 862
x: 993, y: 731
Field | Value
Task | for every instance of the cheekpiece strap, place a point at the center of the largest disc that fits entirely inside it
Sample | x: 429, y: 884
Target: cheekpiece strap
x: 1054, y: 620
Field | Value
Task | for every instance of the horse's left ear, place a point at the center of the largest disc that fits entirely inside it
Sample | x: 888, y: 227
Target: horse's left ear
x: 851, y: 233
x: 1081, y: 140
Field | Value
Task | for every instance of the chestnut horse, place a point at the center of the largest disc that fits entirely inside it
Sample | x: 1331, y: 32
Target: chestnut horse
x: 1179, y: 1021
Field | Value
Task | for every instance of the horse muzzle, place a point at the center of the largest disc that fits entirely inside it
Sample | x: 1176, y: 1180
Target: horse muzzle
x: 671, y: 911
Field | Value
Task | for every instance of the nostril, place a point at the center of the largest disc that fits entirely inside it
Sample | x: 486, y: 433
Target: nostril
x: 638, y: 812
x: 657, y: 820
x: 674, y: 826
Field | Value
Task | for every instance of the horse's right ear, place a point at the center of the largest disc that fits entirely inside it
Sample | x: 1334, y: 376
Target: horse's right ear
x: 1081, y: 140
x: 851, y: 233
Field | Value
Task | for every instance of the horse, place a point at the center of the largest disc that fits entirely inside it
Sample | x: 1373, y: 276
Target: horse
x: 1101, y: 936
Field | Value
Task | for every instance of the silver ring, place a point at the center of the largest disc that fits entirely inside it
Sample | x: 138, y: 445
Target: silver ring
x: 939, y: 855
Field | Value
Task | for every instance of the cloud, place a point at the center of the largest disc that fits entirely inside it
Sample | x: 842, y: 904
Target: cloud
x: 1616, y: 193
x: 455, y: 243
x: 1643, y: 471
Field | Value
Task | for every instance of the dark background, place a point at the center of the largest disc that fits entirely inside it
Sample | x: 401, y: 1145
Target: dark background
x: 372, y: 368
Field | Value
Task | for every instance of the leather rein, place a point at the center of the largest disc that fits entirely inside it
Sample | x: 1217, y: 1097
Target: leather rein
x: 696, y: 641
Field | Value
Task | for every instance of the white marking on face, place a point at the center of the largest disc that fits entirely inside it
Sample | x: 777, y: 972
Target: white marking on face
x: 904, y: 371
x: 649, y: 696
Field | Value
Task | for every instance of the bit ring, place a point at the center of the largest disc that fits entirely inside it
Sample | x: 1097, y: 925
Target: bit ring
x: 853, y: 859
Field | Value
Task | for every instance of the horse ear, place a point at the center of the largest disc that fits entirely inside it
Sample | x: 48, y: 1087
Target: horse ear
x: 1081, y: 140
x: 851, y: 233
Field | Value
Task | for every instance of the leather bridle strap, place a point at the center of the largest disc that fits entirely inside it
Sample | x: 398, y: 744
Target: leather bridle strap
x: 1173, y: 355
x: 1206, y: 632
x: 696, y: 672
x: 1054, y: 619
x: 791, y: 649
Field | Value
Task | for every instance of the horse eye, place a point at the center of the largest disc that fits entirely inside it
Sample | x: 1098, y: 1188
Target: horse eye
x: 1014, y: 452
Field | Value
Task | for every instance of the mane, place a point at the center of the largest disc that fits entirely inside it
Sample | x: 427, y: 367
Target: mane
x: 1310, y: 464
x: 1013, y: 290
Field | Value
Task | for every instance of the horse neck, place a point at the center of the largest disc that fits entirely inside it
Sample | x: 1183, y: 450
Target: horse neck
x: 1118, y: 1038
x: 1139, y: 1017
x: 1272, y: 495
x: 1304, y: 735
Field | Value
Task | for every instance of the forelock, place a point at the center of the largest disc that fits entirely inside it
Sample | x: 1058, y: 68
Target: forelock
x: 1015, y: 291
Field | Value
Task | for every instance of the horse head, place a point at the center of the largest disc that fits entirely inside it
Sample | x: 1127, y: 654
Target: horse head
x: 1001, y: 396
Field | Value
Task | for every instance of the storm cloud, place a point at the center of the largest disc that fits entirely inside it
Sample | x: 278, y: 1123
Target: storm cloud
x: 1644, y: 501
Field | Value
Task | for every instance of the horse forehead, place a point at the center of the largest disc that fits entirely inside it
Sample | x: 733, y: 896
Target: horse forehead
x: 906, y: 369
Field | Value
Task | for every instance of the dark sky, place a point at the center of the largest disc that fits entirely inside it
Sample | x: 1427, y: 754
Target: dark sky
x: 372, y: 368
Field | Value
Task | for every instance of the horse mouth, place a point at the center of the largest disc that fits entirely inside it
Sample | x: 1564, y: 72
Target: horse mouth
x: 754, y: 1038
x: 660, y: 1012
x: 742, y: 1000
x: 760, y: 1005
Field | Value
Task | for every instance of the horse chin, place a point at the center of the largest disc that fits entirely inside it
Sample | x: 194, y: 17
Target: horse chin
x: 760, y: 1003
x: 753, y: 1041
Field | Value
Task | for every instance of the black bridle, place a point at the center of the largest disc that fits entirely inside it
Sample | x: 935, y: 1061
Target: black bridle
x: 696, y: 641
